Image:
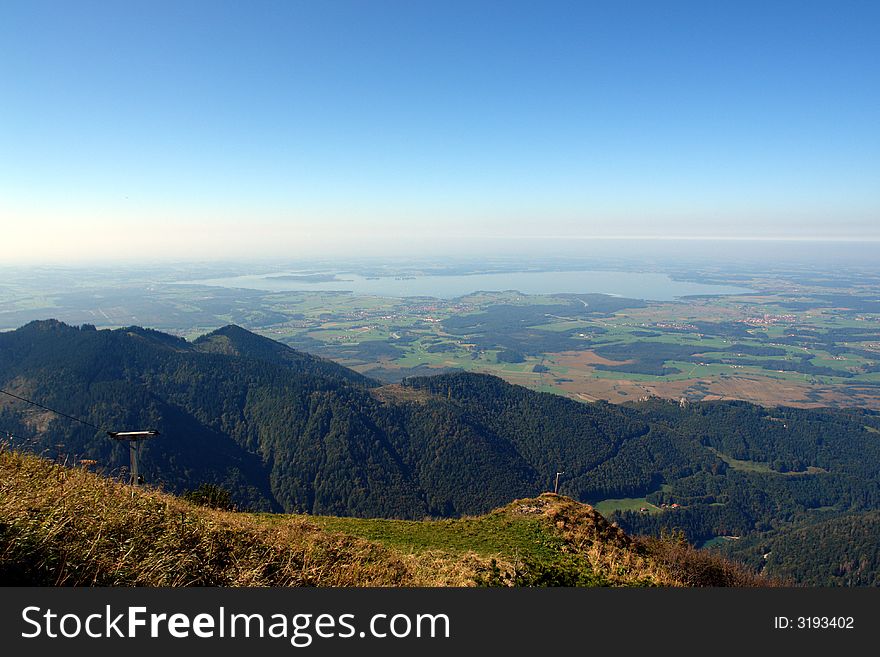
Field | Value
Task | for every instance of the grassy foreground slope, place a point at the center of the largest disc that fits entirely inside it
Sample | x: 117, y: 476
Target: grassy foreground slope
x: 68, y: 526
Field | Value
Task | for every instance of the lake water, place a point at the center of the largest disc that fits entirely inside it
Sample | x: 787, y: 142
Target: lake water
x: 651, y: 286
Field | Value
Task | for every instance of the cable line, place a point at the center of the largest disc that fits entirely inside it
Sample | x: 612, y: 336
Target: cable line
x: 52, y: 410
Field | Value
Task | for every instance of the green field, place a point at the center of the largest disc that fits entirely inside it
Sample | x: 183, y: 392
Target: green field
x: 492, y: 535
x: 607, y: 507
x: 757, y: 466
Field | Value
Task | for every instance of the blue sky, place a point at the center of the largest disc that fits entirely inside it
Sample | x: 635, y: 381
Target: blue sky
x: 285, y: 127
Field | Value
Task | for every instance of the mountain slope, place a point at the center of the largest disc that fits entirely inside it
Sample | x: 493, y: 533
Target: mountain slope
x: 837, y: 551
x: 68, y: 526
x: 281, y: 429
x: 233, y: 340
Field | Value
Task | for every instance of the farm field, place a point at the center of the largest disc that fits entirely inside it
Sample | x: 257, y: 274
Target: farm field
x: 607, y: 507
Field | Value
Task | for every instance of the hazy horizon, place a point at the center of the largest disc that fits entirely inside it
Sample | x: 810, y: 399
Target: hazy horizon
x: 566, y: 252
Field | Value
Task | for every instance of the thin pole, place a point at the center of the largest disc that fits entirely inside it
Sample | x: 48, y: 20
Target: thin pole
x: 556, y: 485
x: 133, y: 455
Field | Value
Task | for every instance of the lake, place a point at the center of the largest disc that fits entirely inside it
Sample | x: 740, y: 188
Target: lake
x: 636, y: 285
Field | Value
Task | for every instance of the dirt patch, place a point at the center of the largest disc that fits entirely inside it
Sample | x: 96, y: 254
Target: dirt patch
x: 397, y: 394
x: 581, y: 359
x: 623, y: 390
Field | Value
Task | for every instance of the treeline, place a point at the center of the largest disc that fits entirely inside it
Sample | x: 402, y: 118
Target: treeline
x: 835, y: 551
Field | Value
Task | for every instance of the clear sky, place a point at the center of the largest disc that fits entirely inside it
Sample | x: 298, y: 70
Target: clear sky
x: 271, y: 128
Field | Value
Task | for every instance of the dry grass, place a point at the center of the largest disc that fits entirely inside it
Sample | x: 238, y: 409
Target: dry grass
x: 697, y: 568
x: 63, y: 526
x: 438, y: 568
x: 628, y: 561
x: 607, y: 548
x: 69, y: 527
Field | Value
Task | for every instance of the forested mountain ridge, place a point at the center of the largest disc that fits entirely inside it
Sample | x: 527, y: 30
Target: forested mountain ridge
x: 836, y: 550
x: 281, y: 429
x: 233, y: 340
x: 284, y: 430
